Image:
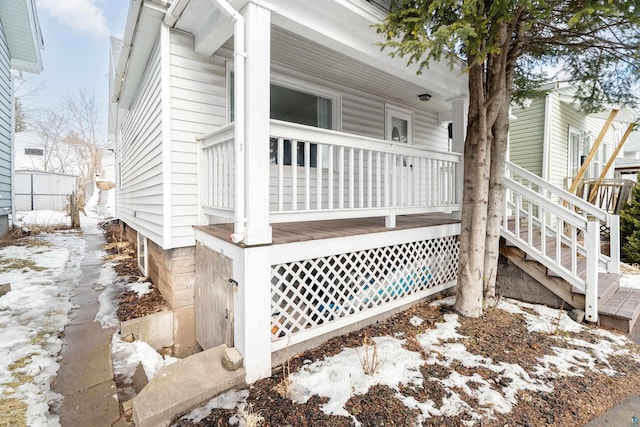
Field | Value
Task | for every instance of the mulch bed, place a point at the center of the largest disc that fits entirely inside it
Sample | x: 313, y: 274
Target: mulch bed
x: 499, y: 335
x: 131, y: 304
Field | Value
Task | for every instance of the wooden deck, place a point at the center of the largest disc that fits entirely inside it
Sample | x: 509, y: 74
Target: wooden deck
x: 289, y: 232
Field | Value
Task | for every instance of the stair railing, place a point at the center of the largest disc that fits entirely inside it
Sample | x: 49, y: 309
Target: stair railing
x: 536, y: 212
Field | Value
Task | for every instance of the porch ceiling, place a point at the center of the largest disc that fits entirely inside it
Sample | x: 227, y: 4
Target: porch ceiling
x: 292, y: 51
x: 331, y: 40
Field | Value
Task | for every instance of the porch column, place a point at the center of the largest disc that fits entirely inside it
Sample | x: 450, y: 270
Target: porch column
x: 256, y: 107
x: 253, y: 319
x: 459, y: 119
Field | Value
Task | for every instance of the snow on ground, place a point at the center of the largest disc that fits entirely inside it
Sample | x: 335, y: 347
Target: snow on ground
x: 340, y: 377
x: 45, y: 218
x: 43, y: 271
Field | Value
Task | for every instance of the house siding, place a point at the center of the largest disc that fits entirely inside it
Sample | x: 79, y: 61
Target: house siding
x: 559, y: 150
x: 198, y: 107
x: 567, y: 117
x: 6, y: 106
x: 139, y: 200
x: 527, y: 137
x: 363, y: 113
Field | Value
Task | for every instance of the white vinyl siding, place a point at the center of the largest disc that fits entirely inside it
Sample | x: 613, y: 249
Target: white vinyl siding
x: 6, y: 92
x: 198, y: 107
x: 364, y: 114
x: 139, y: 200
x: 526, y: 137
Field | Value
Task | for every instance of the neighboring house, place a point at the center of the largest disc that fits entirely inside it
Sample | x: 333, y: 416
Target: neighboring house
x: 285, y: 181
x: 627, y: 166
x: 34, y: 153
x: 45, y: 175
x: 20, y: 46
x: 551, y: 138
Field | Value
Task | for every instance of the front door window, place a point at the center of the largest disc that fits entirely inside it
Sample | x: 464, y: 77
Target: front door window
x: 398, y: 125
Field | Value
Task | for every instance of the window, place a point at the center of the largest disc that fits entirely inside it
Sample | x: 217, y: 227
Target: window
x: 296, y: 106
x: 575, y: 151
x: 34, y: 152
x: 398, y: 124
x: 291, y: 105
x: 143, y: 262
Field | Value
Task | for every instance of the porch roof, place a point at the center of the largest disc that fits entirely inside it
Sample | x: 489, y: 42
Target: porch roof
x: 331, y: 40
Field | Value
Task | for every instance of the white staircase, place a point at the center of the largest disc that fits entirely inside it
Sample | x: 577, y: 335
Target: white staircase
x: 555, y: 237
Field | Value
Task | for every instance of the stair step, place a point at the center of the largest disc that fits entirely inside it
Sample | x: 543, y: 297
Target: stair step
x: 621, y: 311
x: 608, y: 284
x: 619, y: 308
x: 184, y: 385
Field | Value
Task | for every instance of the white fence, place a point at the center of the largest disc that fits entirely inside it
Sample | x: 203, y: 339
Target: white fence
x: 323, y: 174
x: 35, y: 190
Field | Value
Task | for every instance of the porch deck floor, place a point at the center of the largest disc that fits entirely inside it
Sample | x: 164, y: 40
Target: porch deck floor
x: 289, y: 232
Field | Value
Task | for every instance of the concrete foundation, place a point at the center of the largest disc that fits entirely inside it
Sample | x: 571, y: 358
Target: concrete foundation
x: 511, y: 282
x: 173, y: 272
x: 155, y: 329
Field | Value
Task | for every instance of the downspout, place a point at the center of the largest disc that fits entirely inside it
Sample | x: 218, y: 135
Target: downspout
x: 239, y: 56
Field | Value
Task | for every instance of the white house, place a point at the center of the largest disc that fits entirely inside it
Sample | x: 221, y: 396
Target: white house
x: 20, y: 46
x: 285, y: 180
x: 283, y: 123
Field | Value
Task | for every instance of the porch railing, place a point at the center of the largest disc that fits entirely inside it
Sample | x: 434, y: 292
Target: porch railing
x: 607, y: 194
x: 322, y: 174
x: 217, y: 173
x: 536, y: 212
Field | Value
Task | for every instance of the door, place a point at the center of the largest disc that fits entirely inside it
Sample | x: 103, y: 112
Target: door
x: 399, y: 128
x: 214, y: 298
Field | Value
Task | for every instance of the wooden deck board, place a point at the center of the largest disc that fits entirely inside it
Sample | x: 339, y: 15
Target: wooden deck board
x: 629, y: 308
x: 613, y: 305
x: 289, y: 232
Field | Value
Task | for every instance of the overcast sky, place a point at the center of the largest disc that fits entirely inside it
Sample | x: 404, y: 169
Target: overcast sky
x: 76, y: 54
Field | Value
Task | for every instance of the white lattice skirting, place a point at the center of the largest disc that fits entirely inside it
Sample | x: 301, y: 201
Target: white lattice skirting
x: 314, y: 296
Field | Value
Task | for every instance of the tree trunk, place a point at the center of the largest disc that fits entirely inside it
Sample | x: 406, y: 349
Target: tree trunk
x: 469, y: 301
x: 500, y: 131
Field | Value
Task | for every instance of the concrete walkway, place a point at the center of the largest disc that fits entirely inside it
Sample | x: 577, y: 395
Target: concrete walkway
x: 85, y: 377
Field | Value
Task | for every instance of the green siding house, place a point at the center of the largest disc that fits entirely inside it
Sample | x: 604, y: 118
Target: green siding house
x: 551, y: 138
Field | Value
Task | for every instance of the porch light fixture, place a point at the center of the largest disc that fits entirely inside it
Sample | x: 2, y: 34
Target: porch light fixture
x: 424, y: 97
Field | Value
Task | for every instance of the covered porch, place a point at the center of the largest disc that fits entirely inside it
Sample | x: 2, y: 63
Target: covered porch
x: 333, y: 193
